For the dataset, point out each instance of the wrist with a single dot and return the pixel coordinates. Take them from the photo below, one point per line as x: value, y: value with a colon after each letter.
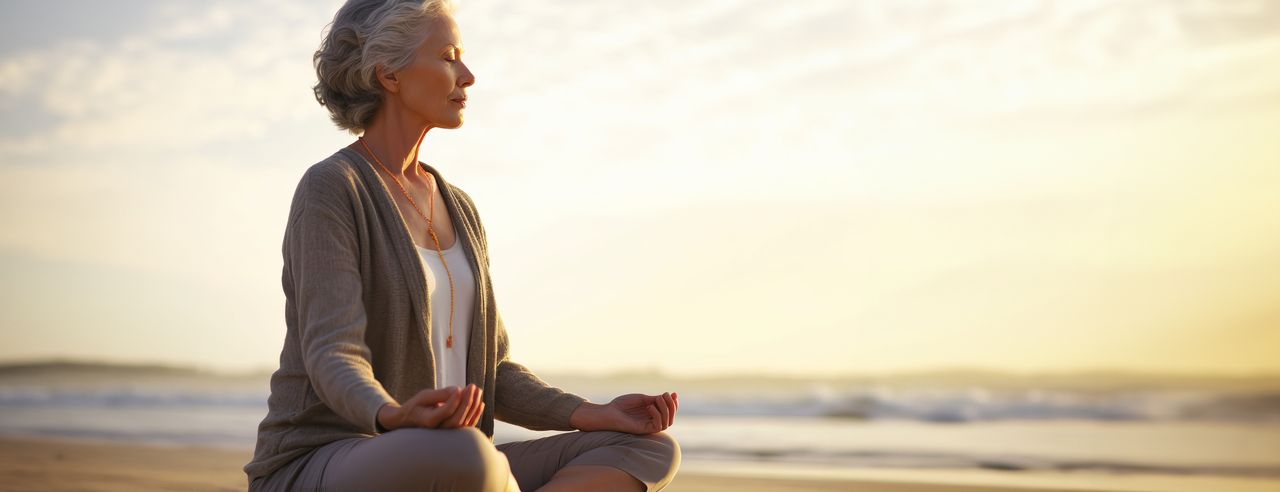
x: 586, y: 417
x: 384, y: 417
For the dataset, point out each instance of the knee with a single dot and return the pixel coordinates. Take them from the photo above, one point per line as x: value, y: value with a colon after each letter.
x: 462, y: 459
x: 471, y: 462
x: 667, y: 450
x: 670, y: 446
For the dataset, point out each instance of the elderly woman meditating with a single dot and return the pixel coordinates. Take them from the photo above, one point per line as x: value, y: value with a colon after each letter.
x: 395, y: 360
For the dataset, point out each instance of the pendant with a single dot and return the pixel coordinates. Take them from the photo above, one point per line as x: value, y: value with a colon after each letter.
x: 448, y: 342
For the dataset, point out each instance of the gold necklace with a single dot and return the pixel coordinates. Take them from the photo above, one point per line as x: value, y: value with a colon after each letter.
x: 432, y: 207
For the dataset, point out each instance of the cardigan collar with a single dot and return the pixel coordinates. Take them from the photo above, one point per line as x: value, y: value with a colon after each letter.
x: 414, y: 268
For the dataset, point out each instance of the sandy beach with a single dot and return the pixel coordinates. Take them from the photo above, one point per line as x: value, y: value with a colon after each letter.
x: 29, y: 464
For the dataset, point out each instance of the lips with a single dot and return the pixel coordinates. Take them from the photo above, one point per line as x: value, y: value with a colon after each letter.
x: 462, y: 101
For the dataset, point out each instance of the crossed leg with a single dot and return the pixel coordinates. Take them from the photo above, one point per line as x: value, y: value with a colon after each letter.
x: 594, y: 460
x: 464, y: 459
x: 574, y: 478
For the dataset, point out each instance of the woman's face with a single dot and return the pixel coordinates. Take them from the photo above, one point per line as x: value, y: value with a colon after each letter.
x: 432, y: 85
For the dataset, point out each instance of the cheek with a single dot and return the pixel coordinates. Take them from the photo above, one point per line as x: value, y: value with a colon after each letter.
x: 428, y: 89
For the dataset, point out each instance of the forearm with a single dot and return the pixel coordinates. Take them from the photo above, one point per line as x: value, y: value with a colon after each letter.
x: 523, y: 399
x: 587, y: 417
x: 350, y: 390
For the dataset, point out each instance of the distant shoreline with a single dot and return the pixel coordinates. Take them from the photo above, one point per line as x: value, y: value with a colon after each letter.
x: 1094, y: 379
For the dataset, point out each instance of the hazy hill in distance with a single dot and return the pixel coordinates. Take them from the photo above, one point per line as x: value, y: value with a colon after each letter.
x: 1099, y: 380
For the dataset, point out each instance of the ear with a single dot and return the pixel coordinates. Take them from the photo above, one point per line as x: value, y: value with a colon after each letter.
x: 388, y: 81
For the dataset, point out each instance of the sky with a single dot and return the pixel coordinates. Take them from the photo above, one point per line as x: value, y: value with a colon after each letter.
x: 694, y: 187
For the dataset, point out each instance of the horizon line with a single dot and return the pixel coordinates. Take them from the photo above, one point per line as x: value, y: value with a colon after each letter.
x: 657, y: 371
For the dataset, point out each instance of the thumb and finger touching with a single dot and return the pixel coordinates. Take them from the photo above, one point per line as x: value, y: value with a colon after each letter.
x: 444, y: 407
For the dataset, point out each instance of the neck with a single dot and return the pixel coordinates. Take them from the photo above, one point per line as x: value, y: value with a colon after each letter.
x: 396, y: 146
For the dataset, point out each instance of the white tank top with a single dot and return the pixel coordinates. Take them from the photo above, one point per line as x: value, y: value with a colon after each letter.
x: 451, y: 363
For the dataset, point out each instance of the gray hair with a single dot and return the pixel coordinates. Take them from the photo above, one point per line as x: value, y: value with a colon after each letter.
x: 363, y: 35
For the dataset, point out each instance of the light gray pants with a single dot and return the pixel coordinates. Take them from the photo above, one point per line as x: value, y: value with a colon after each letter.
x: 464, y: 460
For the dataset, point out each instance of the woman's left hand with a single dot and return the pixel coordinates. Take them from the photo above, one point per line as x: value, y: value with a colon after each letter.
x: 634, y: 413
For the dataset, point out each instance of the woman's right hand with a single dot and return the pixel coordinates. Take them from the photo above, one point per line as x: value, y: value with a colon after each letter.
x: 446, y: 407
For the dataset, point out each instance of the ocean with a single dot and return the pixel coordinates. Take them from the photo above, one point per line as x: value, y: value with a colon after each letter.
x: 1086, y: 431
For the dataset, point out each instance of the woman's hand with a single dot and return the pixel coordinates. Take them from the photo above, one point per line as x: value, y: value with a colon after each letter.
x: 635, y: 413
x: 446, y: 407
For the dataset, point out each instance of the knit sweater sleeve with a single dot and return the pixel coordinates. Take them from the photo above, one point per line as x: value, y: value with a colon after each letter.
x: 520, y: 396
x: 321, y: 256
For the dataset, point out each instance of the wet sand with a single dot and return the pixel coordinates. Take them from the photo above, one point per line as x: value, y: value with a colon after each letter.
x: 66, y: 464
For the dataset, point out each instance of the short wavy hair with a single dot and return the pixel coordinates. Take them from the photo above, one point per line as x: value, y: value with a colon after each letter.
x: 363, y: 35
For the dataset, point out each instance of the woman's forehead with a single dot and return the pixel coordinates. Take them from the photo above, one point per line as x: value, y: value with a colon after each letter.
x: 444, y: 32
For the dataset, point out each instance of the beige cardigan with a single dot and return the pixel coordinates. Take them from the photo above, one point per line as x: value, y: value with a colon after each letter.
x: 358, y: 319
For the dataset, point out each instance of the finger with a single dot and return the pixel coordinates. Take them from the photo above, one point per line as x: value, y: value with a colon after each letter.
x: 424, y: 414
x: 657, y: 417
x: 665, y: 407
x: 427, y: 396
x: 466, y: 416
x: 475, y: 419
x: 671, y: 410
x: 464, y: 412
x: 464, y: 401
x: 675, y: 399
x: 478, y: 409
x: 664, y: 410
x: 437, y: 415
x: 464, y: 407
x: 471, y: 410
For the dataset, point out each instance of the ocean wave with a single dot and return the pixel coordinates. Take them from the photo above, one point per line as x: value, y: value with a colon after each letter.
x: 982, y: 405
x: 127, y: 396
x: 957, y: 405
x: 944, y: 460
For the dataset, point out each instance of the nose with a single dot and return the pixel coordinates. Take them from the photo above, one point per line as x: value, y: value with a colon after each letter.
x: 467, y: 79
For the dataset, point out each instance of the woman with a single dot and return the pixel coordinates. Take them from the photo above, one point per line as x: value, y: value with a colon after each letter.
x: 395, y: 360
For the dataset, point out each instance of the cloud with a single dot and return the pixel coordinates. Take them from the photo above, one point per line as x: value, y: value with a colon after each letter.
x: 232, y: 70
x: 172, y: 150
x: 225, y: 72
